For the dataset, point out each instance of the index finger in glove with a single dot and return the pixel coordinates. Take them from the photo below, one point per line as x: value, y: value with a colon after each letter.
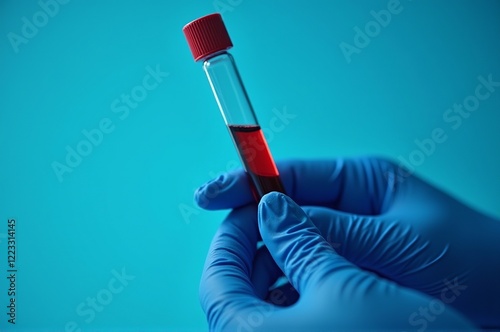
x: 358, y: 185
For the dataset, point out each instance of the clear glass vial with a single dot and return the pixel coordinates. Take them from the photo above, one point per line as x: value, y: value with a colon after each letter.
x: 209, y: 41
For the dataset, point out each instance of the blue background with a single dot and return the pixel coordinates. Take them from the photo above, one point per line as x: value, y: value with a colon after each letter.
x: 128, y: 204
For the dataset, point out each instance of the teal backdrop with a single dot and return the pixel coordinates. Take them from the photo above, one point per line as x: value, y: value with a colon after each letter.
x: 107, y: 126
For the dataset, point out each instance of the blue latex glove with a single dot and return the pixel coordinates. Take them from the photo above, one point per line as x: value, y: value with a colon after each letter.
x: 384, y: 220
x: 335, y: 295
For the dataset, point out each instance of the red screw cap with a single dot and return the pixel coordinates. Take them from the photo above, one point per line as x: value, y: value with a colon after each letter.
x: 207, y: 35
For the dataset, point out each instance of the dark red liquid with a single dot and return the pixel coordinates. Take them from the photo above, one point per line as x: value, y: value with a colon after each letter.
x: 256, y: 156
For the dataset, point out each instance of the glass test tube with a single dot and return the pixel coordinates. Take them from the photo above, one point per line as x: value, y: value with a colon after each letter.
x: 209, y: 41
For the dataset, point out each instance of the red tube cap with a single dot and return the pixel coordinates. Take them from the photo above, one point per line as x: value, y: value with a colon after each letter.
x: 207, y: 35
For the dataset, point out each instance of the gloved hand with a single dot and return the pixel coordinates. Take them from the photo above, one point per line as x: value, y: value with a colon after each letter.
x: 392, y: 223
x: 335, y: 295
